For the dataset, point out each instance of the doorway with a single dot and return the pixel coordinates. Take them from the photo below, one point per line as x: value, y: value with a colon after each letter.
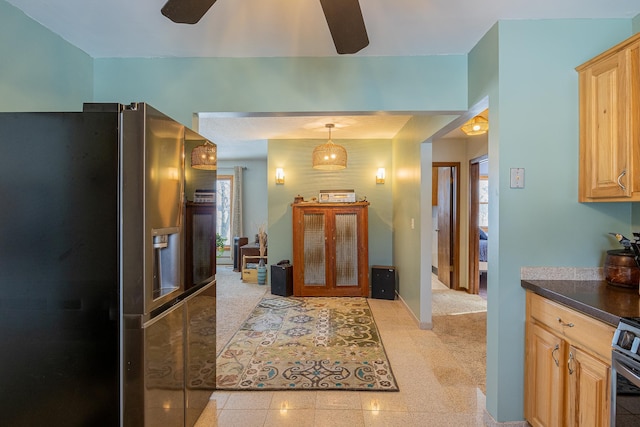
x: 446, y: 202
x: 478, y: 224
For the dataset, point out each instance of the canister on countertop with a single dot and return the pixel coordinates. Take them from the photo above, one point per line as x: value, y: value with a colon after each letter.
x: 620, y: 269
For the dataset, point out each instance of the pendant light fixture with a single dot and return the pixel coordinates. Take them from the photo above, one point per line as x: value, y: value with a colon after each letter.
x: 476, y: 126
x: 204, y: 157
x: 329, y: 156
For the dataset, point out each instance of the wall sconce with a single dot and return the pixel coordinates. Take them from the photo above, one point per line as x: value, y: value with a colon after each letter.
x: 279, y: 176
x: 380, y: 175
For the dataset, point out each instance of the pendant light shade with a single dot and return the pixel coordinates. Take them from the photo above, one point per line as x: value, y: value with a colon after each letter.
x: 329, y: 156
x: 204, y: 157
x: 476, y: 126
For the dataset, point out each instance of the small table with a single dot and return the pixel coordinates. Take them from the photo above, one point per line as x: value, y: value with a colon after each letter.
x: 252, y: 249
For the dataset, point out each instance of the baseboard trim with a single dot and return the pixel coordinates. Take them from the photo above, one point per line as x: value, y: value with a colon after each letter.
x: 421, y: 325
x: 490, y: 422
x: 425, y: 325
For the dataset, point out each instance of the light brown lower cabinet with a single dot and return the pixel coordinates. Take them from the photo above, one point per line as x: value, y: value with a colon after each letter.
x: 567, y: 366
x: 589, y: 389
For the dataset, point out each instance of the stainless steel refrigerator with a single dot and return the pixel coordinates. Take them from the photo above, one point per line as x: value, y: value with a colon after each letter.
x: 97, y: 324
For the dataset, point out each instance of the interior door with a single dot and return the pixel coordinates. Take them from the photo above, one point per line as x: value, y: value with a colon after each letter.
x: 445, y: 261
x: 474, y: 234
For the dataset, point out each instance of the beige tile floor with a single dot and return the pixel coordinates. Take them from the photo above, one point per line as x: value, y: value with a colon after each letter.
x: 434, y: 389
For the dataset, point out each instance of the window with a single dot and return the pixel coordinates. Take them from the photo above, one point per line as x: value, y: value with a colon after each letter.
x: 483, y: 197
x: 224, y: 191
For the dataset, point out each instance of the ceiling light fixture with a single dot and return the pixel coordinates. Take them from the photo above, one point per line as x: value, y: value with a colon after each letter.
x: 476, y: 126
x: 329, y: 156
x: 204, y: 157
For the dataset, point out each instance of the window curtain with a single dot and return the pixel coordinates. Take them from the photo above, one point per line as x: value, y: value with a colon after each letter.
x: 236, y: 205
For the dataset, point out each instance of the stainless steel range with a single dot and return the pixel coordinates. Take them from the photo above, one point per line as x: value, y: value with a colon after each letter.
x: 625, y: 373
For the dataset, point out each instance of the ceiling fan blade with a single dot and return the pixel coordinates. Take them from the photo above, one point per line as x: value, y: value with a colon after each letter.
x: 346, y: 25
x: 186, y: 11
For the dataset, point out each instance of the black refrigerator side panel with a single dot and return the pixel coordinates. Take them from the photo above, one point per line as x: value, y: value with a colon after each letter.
x: 59, y: 306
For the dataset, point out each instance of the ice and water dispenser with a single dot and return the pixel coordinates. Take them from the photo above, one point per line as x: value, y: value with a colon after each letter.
x: 166, y: 261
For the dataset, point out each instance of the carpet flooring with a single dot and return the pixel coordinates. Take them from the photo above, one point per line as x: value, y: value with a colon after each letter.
x: 318, y: 343
x: 465, y: 336
x: 460, y: 321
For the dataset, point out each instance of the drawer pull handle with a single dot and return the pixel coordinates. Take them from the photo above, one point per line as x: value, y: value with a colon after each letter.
x: 569, y: 363
x: 570, y: 325
x: 553, y: 354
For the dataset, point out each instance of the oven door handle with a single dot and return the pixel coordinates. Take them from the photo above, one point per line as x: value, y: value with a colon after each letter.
x: 620, y: 366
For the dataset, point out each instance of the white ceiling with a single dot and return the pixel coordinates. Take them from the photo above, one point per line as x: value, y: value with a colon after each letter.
x: 245, y: 137
x: 254, y: 28
x: 287, y: 28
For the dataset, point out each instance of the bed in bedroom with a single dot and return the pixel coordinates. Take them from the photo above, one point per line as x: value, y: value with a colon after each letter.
x: 482, y: 254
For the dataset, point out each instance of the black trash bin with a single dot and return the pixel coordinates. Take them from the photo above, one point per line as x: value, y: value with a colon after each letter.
x: 282, y: 280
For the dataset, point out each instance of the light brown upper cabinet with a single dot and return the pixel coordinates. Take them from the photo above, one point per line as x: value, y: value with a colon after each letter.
x: 610, y: 125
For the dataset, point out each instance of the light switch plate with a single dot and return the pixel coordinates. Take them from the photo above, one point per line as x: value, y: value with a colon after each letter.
x: 517, y: 178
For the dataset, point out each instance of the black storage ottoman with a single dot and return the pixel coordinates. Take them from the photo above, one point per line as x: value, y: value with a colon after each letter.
x: 383, y: 282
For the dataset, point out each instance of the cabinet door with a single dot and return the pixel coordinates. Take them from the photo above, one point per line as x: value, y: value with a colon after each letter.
x: 545, y: 369
x: 588, y: 390
x: 605, y: 128
x: 346, y: 250
x: 313, y: 253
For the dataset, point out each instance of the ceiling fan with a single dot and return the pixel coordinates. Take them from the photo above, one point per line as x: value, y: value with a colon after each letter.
x: 344, y: 18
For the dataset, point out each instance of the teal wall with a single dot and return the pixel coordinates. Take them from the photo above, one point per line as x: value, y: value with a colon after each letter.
x: 364, y: 158
x: 412, y: 200
x: 180, y: 87
x: 542, y: 224
x: 39, y: 71
x: 407, y: 255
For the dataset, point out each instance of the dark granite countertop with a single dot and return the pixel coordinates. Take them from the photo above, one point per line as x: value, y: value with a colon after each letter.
x: 595, y: 298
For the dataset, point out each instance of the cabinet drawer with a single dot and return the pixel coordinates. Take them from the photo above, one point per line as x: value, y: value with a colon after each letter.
x: 577, y: 328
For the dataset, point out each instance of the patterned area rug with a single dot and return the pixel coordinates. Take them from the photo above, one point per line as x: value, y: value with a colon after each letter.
x: 316, y: 343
